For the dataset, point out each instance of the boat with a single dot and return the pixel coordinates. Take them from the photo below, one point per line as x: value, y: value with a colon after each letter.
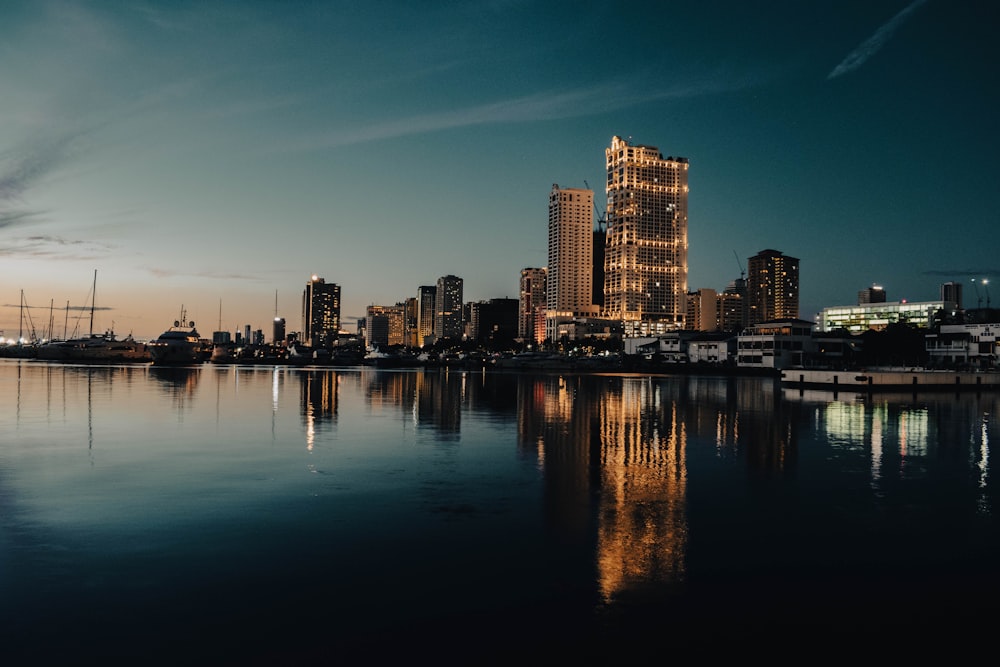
x: 180, y: 344
x: 105, y: 347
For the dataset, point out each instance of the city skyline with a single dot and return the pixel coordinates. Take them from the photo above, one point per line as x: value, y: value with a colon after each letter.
x: 203, y: 155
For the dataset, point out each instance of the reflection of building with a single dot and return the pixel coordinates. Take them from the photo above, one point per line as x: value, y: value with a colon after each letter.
x: 320, y: 312
x: 645, y: 258
x: 531, y: 309
x: 448, y: 308
x: 772, y: 287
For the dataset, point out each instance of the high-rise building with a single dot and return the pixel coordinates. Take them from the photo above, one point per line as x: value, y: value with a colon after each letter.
x: 570, y: 272
x: 702, y: 310
x: 320, y: 312
x: 772, y: 287
x: 532, y: 305
x: 732, y: 306
x: 426, y: 303
x: 951, y: 292
x: 385, y: 325
x: 646, y: 254
x: 494, y: 320
x: 410, y: 322
x: 279, y: 331
x: 448, y: 322
x: 873, y: 294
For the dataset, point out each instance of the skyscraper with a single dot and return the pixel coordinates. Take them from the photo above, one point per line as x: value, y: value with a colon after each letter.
x: 532, y: 305
x: 645, y: 257
x: 571, y: 256
x: 426, y: 303
x: 772, y: 287
x: 448, y: 308
x: 320, y: 312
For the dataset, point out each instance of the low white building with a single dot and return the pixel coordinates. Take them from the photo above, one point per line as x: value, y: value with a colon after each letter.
x: 777, y: 344
x: 964, y: 344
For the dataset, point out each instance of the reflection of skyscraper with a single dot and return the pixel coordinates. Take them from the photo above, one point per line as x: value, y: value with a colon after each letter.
x: 772, y: 287
x: 646, y: 256
x: 448, y: 308
x: 320, y: 312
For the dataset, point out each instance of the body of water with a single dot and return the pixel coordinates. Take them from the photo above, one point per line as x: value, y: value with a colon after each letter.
x: 276, y: 515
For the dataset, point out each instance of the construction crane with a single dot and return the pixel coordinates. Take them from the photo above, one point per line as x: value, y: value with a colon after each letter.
x: 739, y: 264
x: 602, y: 217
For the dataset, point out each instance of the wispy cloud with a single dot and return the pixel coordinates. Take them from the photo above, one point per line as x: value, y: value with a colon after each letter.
x: 546, y: 106
x: 43, y: 246
x: 211, y: 275
x: 964, y: 273
x: 871, y: 46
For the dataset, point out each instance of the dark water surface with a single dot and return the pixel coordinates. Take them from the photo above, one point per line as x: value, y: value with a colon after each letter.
x: 252, y: 515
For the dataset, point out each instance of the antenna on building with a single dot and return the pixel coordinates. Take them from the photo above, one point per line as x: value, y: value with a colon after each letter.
x: 740, y: 264
x: 275, y: 304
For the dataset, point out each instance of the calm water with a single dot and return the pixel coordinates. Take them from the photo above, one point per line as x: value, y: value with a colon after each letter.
x: 262, y: 515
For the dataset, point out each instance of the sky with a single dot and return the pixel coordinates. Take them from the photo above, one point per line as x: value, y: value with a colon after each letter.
x: 211, y: 157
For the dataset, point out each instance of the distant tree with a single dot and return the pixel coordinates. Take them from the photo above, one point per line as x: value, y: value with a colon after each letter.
x: 899, y: 344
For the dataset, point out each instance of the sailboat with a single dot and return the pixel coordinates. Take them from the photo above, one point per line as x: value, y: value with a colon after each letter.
x: 104, y: 347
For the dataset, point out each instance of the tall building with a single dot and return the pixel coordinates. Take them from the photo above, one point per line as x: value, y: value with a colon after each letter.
x: 279, y: 331
x: 570, y: 273
x: 772, y: 287
x: 385, y: 325
x: 702, y: 310
x: 732, y: 306
x: 494, y: 320
x: 426, y: 303
x: 448, y: 321
x: 952, y: 292
x: 646, y: 253
x: 873, y: 294
x: 532, y: 305
x: 411, y: 323
x: 320, y: 312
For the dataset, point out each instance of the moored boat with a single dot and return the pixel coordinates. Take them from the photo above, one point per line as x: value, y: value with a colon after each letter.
x: 178, y: 345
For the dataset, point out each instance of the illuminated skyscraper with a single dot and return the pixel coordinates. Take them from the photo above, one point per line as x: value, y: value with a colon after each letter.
x: 448, y: 321
x: 571, y: 256
x: 772, y: 287
x: 320, y: 312
x: 532, y: 305
x: 645, y: 258
x: 426, y: 302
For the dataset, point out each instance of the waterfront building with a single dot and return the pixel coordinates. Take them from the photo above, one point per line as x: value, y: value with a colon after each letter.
x: 320, y: 313
x: 448, y: 321
x: 772, y: 287
x: 426, y: 299
x: 646, y: 253
x: 532, y: 305
x: 878, y: 316
x: 732, y: 306
x: 960, y: 345
x: 570, y: 273
x: 385, y: 325
x: 278, y: 333
x: 411, y: 322
x: 495, y: 319
x: 873, y: 294
x: 776, y: 344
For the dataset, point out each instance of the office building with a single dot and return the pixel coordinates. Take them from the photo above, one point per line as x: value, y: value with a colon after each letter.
x: 320, y: 312
x: 877, y: 316
x: 772, y: 287
x: 702, y: 310
x: 646, y: 253
x: 570, y: 273
x: 952, y: 292
x: 532, y: 305
x: 448, y: 321
x: 495, y: 320
x: 279, y: 331
x: 426, y: 303
x: 873, y: 294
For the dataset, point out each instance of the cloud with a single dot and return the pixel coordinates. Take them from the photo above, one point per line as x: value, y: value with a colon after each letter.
x: 553, y: 105
x: 53, y: 246
x: 211, y: 275
x: 964, y: 273
x: 871, y: 46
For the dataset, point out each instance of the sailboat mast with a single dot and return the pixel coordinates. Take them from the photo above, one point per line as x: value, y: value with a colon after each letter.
x: 93, y: 298
x: 66, y: 320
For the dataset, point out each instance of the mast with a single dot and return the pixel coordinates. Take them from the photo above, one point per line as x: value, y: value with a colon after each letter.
x: 20, y: 324
x: 93, y: 298
x: 66, y: 320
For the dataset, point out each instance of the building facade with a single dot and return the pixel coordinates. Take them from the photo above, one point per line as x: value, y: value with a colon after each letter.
x: 646, y: 250
x: 873, y: 294
x: 448, y: 321
x: 878, y: 316
x: 532, y: 304
x: 772, y: 287
x: 570, y: 273
x: 320, y: 312
x: 426, y: 303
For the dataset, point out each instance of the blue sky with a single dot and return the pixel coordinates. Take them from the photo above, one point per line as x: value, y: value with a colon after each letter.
x: 215, y: 155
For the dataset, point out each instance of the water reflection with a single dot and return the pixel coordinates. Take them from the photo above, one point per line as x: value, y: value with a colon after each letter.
x: 180, y: 383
